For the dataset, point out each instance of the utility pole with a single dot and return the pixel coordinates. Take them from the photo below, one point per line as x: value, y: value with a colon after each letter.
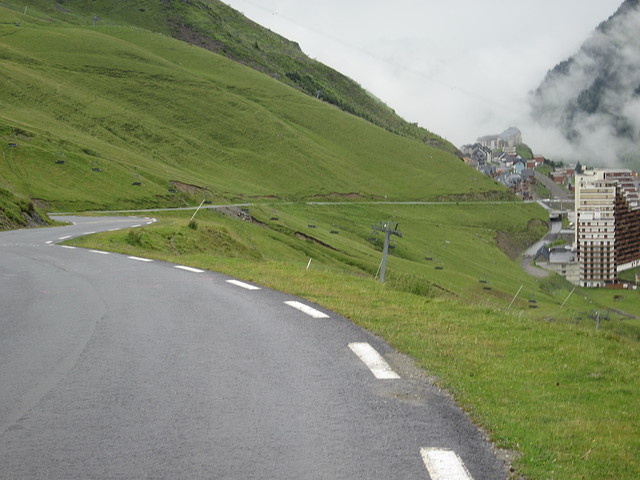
x: 389, y: 229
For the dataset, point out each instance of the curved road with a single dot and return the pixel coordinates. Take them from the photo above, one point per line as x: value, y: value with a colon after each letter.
x: 116, y: 367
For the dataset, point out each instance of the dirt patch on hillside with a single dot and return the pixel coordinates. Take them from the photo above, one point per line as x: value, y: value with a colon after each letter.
x: 188, y: 188
x: 188, y: 35
x: 486, y: 196
x: 338, y: 195
x: 241, y: 213
x: 304, y: 236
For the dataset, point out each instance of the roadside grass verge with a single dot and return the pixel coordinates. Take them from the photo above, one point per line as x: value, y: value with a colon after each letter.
x: 18, y: 212
x: 541, y: 381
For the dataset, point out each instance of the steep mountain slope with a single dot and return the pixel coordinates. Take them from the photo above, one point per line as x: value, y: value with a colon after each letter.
x: 215, y: 26
x: 593, y: 98
x: 104, y: 117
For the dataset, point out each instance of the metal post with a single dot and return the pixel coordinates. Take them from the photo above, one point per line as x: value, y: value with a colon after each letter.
x: 385, y: 252
x: 565, y: 300
x: 197, y: 209
x: 516, y: 295
x: 388, y: 230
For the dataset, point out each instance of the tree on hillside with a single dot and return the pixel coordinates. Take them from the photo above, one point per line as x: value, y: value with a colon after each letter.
x: 524, y: 151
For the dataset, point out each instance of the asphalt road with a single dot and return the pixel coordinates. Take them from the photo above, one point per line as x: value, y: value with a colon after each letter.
x: 118, y: 368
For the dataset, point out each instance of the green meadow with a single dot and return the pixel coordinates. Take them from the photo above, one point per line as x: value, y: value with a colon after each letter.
x: 214, y: 26
x: 96, y: 110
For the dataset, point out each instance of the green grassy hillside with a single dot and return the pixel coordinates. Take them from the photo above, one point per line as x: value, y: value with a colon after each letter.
x: 213, y: 25
x: 144, y: 108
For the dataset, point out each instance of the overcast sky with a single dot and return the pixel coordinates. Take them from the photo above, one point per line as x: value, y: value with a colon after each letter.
x: 460, y: 68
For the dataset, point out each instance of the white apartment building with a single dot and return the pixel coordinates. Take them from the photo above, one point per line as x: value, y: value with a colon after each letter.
x: 607, y: 225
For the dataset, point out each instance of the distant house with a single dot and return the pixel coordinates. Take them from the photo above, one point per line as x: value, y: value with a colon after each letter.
x: 489, y: 170
x: 509, y: 138
x: 519, y: 165
x: 563, y: 176
x: 510, y: 151
x: 512, y: 180
x: 528, y: 175
x: 561, y: 261
x: 478, y: 154
x: 490, y: 141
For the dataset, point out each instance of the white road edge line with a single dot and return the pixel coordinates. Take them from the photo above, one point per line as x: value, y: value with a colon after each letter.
x: 189, y: 269
x: 65, y: 237
x: 312, y: 312
x: 68, y: 246
x: 372, y: 359
x: 240, y: 284
x: 141, y: 259
x: 114, y: 230
x: 88, y: 233
x: 49, y: 242
x: 444, y: 464
x: 136, y: 226
x: 99, y: 251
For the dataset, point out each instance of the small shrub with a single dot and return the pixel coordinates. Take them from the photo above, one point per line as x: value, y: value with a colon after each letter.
x: 134, y: 237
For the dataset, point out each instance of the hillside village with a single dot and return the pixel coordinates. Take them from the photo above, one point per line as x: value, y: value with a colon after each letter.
x: 595, y: 213
x: 504, y: 157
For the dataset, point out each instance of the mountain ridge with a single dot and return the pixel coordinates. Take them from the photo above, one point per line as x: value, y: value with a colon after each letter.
x: 593, y: 97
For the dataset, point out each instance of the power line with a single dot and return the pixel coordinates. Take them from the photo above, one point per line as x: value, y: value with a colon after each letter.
x: 395, y: 65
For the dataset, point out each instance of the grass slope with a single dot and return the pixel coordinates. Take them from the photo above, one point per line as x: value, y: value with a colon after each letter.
x: 16, y: 212
x: 146, y: 108
x: 215, y: 26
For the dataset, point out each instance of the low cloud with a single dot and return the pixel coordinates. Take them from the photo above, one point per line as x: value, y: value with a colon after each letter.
x: 593, y: 99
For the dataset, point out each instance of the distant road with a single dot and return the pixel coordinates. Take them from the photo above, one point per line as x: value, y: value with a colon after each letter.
x: 118, y: 367
x: 242, y: 205
x: 556, y: 190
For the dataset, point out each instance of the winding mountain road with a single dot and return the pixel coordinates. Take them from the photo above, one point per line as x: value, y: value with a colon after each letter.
x: 123, y: 368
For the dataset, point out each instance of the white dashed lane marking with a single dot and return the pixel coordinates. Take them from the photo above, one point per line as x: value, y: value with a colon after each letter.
x: 372, y: 359
x: 312, y: 312
x: 65, y: 237
x: 240, y: 284
x: 444, y: 464
x: 99, y: 251
x: 141, y: 259
x: 69, y: 247
x: 189, y: 269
